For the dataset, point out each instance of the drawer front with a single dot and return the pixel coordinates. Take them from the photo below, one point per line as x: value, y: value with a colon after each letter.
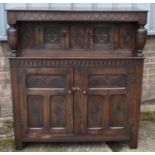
x: 46, y: 104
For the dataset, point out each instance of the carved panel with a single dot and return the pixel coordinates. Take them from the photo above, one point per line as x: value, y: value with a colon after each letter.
x: 95, y: 111
x: 35, y: 111
x: 118, y: 110
x: 106, y: 81
x: 52, y: 35
x: 101, y: 35
x: 58, y: 111
x: 104, y: 36
x: 46, y: 81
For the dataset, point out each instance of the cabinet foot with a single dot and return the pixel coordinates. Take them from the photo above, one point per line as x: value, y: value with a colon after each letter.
x: 133, y: 144
x: 19, y: 146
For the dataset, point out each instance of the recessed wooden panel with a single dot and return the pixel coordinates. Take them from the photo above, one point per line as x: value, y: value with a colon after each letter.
x: 118, y: 110
x: 101, y: 35
x: 35, y: 111
x: 104, y: 36
x: 106, y: 81
x: 28, y: 35
x: 52, y: 35
x: 95, y: 111
x: 46, y: 81
x: 58, y: 111
x: 77, y: 35
x: 126, y: 36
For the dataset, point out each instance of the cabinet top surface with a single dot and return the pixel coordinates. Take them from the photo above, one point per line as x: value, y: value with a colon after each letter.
x: 114, y: 15
x: 76, y: 9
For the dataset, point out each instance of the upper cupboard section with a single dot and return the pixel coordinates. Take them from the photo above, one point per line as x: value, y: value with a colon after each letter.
x: 77, y: 36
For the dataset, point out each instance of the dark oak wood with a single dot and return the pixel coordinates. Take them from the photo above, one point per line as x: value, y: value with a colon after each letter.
x: 76, y: 74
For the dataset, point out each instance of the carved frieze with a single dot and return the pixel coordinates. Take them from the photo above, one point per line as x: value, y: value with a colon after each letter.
x: 46, y: 81
x: 23, y: 15
x: 70, y: 63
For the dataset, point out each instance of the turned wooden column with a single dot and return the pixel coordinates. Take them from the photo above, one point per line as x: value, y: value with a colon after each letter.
x: 13, y: 40
x: 141, y: 39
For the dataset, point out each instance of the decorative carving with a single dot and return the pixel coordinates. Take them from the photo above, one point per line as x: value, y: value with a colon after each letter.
x: 101, y: 35
x: 52, y: 35
x: 13, y: 40
x: 46, y: 81
x: 117, y: 15
x: 57, y: 111
x: 126, y: 36
x: 141, y: 39
x: 95, y: 110
x: 70, y: 63
x: 117, y: 111
x: 106, y: 81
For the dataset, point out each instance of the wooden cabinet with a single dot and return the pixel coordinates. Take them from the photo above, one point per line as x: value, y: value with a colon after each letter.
x: 76, y: 75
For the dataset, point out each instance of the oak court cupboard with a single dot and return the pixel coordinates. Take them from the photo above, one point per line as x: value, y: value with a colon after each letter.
x: 76, y: 74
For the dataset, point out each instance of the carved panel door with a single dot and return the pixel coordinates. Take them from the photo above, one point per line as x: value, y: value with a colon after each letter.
x: 105, y: 100
x: 46, y: 102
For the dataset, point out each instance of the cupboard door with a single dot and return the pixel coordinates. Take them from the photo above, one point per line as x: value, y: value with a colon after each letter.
x: 104, y: 101
x: 46, y: 100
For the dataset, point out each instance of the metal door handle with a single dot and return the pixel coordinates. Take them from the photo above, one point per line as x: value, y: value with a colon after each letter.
x: 69, y: 92
x: 84, y: 92
x: 76, y: 89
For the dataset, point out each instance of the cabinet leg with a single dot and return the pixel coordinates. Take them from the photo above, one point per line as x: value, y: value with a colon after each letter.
x: 19, y: 145
x: 133, y: 143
